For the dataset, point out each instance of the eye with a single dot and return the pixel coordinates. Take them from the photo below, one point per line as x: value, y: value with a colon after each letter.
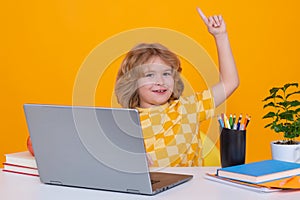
x: 149, y: 75
x: 167, y: 74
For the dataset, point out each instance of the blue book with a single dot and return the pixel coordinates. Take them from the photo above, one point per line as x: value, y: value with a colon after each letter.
x: 261, y: 171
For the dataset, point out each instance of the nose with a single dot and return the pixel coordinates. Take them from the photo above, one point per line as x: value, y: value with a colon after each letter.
x: 159, y: 80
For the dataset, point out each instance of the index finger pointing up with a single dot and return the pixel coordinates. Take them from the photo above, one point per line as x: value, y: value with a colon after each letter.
x: 202, y: 15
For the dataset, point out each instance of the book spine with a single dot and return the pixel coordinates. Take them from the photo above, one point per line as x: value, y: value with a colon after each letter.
x: 22, y: 166
x: 23, y: 173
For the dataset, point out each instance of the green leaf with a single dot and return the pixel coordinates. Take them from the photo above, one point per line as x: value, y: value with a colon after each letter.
x: 269, y: 115
x: 289, y: 135
x: 284, y: 104
x: 278, y: 128
x: 289, y: 104
x: 274, y: 90
x: 294, y: 103
x: 269, y: 104
x: 278, y: 97
x: 286, y: 86
x: 288, y: 115
x: 293, y: 93
x: 267, y: 98
x: 272, y: 97
x: 266, y: 126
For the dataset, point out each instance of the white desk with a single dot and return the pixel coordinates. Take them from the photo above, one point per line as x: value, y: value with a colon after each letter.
x: 16, y: 187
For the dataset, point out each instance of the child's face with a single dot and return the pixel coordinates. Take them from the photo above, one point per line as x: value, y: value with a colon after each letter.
x: 156, y: 86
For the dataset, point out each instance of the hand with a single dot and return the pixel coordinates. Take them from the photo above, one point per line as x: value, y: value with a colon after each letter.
x: 215, y: 24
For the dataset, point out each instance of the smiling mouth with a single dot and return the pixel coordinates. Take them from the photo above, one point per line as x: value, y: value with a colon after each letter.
x: 160, y: 91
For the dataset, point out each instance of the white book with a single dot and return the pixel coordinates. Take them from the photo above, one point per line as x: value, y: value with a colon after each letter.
x: 20, y: 169
x: 21, y: 159
x: 243, y: 185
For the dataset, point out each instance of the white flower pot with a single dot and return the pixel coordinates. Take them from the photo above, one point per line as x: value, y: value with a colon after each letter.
x: 284, y: 152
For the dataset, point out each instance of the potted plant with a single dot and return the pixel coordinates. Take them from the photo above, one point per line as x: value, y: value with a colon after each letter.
x: 285, y: 119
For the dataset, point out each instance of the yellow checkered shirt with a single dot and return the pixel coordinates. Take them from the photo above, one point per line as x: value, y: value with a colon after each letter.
x: 171, y: 131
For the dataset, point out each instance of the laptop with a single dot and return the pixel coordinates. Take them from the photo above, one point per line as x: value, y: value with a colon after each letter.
x: 94, y: 147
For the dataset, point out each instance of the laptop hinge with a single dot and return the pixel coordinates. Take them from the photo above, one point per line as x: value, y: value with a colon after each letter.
x: 133, y: 191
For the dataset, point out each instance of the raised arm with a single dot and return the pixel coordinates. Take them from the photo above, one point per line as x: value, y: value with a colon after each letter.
x: 229, y: 79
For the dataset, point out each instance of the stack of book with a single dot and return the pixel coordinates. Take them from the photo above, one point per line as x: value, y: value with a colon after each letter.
x: 21, y: 163
x: 265, y: 175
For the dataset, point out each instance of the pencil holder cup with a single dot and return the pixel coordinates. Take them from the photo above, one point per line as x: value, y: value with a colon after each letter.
x: 232, y: 147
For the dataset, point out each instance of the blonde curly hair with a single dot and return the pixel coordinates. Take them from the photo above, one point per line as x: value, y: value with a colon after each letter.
x: 129, y: 72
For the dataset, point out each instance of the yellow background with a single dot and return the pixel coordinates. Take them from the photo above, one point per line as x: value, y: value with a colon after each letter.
x: 44, y: 43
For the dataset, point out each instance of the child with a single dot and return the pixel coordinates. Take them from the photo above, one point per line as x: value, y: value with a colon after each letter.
x: 149, y: 80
